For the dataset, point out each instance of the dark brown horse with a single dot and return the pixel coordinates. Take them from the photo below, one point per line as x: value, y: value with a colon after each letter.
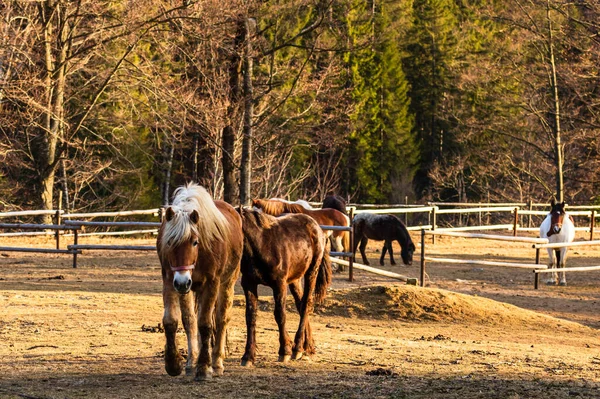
x: 386, y: 228
x: 200, y: 247
x: 334, y: 202
x: 340, y: 240
x: 279, y: 252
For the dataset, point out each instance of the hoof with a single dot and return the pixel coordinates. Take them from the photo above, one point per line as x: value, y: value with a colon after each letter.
x: 205, y: 376
x: 562, y: 283
x: 218, y: 372
x: 284, y: 358
x: 174, y: 370
x: 306, y: 358
x: 189, y: 370
x: 550, y: 282
x: 297, y: 355
x: 247, y: 363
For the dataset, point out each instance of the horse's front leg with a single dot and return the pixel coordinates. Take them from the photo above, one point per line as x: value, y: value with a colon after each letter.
x: 187, y: 303
x: 208, y: 297
x: 552, y: 279
x: 171, y: 315
x: 561, y: 262
x: 309, y: 343
x: 224, y: 303
x: 285, y: 344
x: 251, y: 294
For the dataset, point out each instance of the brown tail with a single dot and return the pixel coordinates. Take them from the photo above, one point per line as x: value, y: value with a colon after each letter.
x: 324, y: 276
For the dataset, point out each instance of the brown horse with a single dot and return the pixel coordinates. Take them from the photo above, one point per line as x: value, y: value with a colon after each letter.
x: 279, y: 252
x: 340, y: 240
x: 199, y: 245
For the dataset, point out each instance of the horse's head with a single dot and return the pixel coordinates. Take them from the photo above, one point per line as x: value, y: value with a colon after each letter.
x: 407, y: 253
x: 557, y: 215
x: 179, y: 246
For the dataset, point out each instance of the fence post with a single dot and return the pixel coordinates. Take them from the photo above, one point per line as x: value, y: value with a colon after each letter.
x: 423, y: 257
x: 536, y: 280
x: 57, y: 232
x: 75, y: 240
x: 351, y: 259
x: 516, y: 222
x: 530, y: 207
x: 433, y: 223
x: 592, y: 222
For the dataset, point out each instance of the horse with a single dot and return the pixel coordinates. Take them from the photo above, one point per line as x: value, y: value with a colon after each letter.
x: 558, y: 226
x: 299, y: 202
x: 382, y: 227
x: 340, y: 240
x: 200, y: 244
x: 334, y: 202
x: 279, y: 252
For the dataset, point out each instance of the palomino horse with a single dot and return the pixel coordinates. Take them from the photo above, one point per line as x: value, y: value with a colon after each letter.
x: 340, y: 240
x: 383, y: 227
x: 557, y: 227
x: 279, y: 252
x: 199, y: 245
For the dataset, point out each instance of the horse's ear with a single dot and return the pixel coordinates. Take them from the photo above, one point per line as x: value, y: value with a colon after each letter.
x: 553, y: 203
x: 240, y: 209
x: 169, y: 214
x: 195, y: 216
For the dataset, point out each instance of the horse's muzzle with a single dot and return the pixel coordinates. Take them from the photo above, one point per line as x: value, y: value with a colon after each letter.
x: 182, y: 282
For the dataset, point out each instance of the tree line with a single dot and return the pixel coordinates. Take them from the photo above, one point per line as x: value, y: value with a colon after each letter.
x: 110, y: 104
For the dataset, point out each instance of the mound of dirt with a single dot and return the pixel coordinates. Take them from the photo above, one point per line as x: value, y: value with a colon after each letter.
x: 408, y: 303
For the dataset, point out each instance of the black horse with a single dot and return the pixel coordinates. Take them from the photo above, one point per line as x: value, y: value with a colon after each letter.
x: 334, y: 202
x: 382, y: 228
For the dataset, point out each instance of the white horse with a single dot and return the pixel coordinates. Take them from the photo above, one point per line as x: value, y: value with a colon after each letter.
x: 557, y: 227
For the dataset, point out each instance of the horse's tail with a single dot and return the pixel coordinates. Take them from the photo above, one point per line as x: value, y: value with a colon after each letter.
x: 324, y: 275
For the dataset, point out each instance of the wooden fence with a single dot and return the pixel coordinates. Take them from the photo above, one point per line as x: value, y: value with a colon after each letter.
x: 425, y: 258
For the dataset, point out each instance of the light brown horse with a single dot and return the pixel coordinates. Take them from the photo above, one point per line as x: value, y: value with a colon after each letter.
x: 199, y: 245
x: 340, y: 240
x: 279, y: 252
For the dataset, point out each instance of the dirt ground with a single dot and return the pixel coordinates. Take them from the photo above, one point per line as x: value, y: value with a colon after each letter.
x: 472, y: 332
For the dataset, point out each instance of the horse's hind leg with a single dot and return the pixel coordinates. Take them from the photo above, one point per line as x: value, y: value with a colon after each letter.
x: 224, y: 303
x: 187, y: 303
x: 363, y: 245
x: 285, y: 345
x: 251, y: 294
x: 383, y: 252
x: 173, y: 359
x: 309, y: 344
x: 310, y: 279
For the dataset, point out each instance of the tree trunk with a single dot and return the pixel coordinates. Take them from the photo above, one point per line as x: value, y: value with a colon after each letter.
x: 246, y: 166
x: 170, y: 153
x: 228, y: 137
x: 46, y: 152
x: 558, y: 147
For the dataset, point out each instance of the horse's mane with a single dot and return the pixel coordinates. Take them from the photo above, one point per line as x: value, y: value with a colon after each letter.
x: 293, y: 208
x: 212, y: 224
x: 260, y: 219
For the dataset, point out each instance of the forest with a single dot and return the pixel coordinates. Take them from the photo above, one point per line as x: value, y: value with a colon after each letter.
x: 111, y: 104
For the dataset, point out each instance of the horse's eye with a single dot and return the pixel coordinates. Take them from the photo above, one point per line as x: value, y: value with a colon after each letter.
x: 195, y: 243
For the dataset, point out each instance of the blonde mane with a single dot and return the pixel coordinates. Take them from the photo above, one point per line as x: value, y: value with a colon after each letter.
x: 212, y: 224
x: 275, y: 207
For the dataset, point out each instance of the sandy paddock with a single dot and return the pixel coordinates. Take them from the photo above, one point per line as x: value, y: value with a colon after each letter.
x: 94, y: 331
